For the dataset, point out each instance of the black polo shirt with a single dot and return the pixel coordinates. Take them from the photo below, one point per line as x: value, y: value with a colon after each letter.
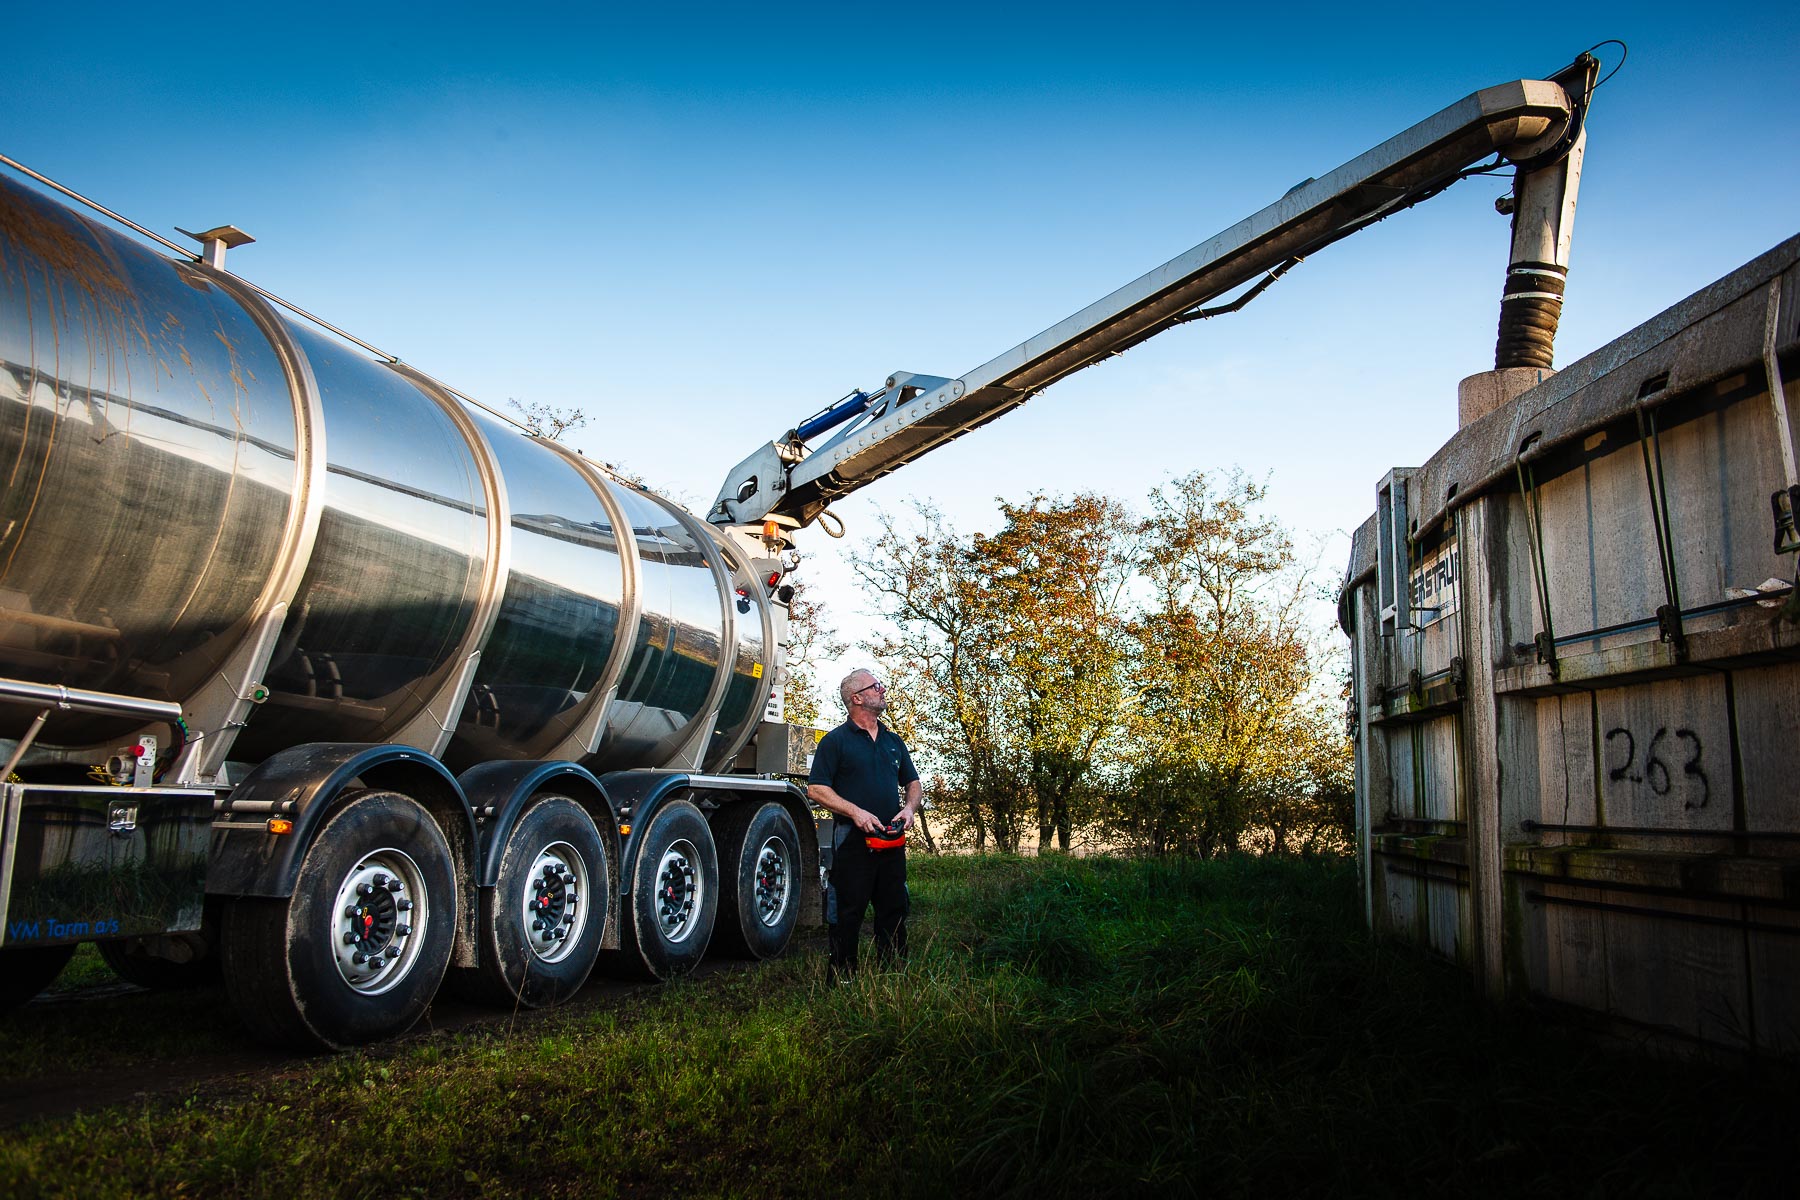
x: 867, y: 771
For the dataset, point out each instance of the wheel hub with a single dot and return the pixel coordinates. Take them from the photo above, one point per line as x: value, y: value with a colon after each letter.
x: 678, y: 891
x: 553, y: 914
x: 771, y: 885
x: 380, y: 911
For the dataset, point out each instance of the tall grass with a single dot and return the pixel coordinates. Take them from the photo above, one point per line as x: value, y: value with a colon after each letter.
x: 1065, y: 1027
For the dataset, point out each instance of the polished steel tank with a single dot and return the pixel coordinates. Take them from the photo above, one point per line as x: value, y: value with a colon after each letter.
x: 208, y: 503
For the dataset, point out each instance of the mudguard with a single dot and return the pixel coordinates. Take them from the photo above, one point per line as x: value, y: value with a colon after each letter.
x: 303, y: 785
x: 636, y: 795
x: 500, y: 790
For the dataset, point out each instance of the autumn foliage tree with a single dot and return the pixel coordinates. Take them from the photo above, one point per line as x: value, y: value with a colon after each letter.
x: 1150, y: 680
x: 1233, y: 733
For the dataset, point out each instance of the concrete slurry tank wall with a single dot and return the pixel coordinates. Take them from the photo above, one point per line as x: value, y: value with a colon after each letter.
x: 1576, y: 701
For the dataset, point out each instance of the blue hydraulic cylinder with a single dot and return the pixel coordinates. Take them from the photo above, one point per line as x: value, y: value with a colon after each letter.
x: 832, y: 417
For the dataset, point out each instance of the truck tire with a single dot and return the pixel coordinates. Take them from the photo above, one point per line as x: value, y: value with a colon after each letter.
x: 357, y: 952
x: 759, y: 859
x: 541, y: 923
x: 131, y: 962
x: 27, y: 970
x: 674, y: 896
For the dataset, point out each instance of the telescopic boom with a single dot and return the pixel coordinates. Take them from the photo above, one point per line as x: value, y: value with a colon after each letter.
x: 1534, y: 124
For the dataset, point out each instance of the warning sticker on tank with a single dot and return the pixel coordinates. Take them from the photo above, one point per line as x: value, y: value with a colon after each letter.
x: 756, y: 670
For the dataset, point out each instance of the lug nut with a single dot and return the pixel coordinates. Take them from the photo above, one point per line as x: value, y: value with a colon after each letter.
x: 403, y: 931
x: 393, y: 952
x: 359, y: 958
x: 394, y: 885
x: 349, y: 938
x: 404, y: 906
x: 365, y: 889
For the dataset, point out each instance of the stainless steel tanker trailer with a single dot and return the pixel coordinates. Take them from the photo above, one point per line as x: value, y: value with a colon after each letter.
x: 312, y: 673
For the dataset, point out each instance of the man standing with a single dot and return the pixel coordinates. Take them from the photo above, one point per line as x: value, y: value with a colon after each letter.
x: 859, y: 772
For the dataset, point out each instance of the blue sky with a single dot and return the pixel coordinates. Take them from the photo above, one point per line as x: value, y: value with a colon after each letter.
x: 704, y: 223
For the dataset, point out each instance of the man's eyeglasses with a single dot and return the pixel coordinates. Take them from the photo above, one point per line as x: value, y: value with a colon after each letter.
x: 876, y: 686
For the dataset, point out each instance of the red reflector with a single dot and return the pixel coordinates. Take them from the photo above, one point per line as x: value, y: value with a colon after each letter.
x: 774, y: 578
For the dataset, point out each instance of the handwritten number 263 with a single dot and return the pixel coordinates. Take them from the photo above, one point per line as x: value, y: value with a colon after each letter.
x: 1654, y: 771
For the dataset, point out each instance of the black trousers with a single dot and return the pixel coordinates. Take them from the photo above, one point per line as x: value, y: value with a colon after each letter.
x: 861, y: 877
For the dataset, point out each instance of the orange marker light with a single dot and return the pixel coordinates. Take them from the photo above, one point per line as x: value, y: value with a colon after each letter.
x: 771, y: 530
x: 280, y: 825
x: 624, y: 831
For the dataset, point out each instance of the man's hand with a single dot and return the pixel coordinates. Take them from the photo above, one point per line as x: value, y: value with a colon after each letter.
x: 903, y: 819
x: 866, y: 821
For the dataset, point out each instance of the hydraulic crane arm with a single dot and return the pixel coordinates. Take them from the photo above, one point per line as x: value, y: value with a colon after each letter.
x: 1535, y: 124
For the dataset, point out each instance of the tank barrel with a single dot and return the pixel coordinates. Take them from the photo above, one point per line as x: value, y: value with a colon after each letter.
x: 249, y: 524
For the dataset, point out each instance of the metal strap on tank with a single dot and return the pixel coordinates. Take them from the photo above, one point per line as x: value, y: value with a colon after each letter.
x: 1545, y: 640
x: 1668, y: 616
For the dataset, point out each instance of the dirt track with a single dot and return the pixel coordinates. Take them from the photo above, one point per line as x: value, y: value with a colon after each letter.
x: 218, y: 1057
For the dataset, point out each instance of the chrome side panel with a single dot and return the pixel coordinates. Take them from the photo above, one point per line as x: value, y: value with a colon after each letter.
x: 668, y: 682
x: 396, y: 576
x: 431, y: 730
x: 149, y: 466
x: 752, y: 666
x: 568, y: 611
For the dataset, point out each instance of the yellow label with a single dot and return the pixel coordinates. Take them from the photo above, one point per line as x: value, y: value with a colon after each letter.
x: 756, y: 671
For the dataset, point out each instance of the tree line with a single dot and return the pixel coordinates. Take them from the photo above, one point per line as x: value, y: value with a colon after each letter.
x: 1149, y: 680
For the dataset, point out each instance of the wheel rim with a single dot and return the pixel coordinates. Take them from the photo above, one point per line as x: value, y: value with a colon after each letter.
x: 553, y: 910
x: 773, y: 885
x: 678, y: 891
x: 379, y: 920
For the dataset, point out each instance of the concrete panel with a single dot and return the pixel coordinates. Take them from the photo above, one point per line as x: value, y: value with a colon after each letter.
x: 1575, y: 959
x: 1398, y: 898
x: 1449, y: 926
x: 1665, y: 754
x: 1434, y: 776
x: 1720, y: 470
x: 1565, y: 761
x: 1514, y: 613
x: 1600, y: 544
x: 1775, y: 981
x: 1401, y: 796
x: 1768, y: 738
x: 1670, y: 973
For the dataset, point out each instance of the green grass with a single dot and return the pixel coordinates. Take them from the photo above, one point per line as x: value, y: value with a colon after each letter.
x: 1064, y: 1028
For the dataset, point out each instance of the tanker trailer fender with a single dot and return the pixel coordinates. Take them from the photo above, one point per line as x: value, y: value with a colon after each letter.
x: 768, y: 865
x: 546, y: 858
x: 672, y: 880
x: 305, y: 785
x: 346, y: 873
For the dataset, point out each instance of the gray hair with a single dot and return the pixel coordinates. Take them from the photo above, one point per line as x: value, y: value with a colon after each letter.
x: 845, y: 691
